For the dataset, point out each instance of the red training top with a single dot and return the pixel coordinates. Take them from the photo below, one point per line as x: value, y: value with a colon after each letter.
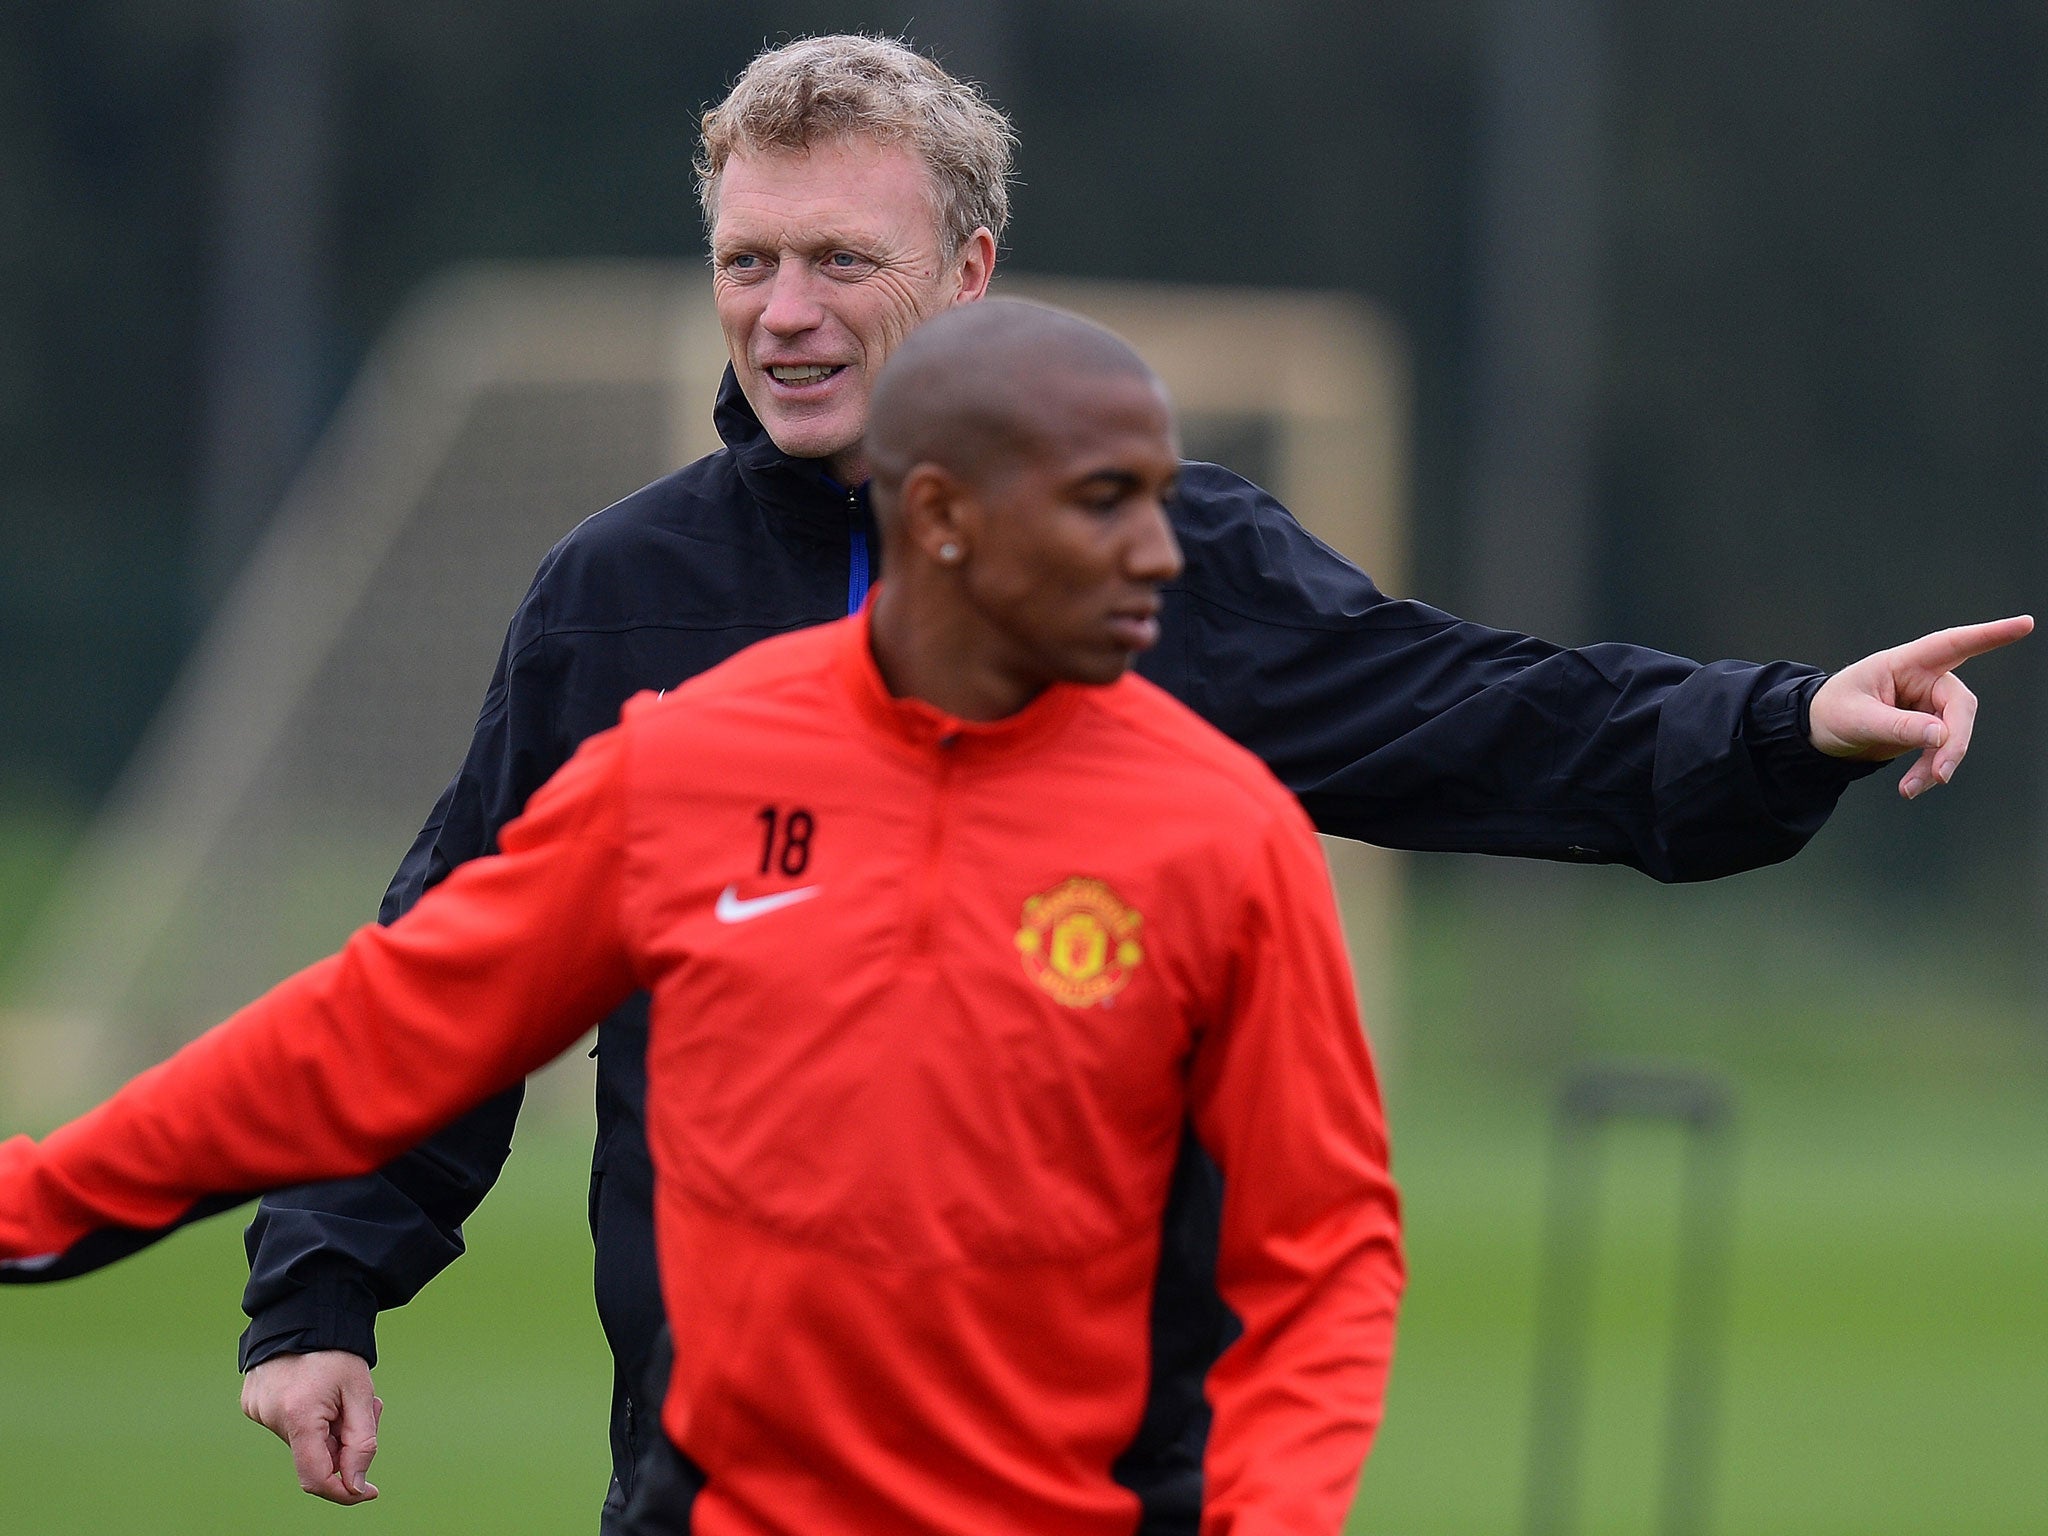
x: 932, y: 1004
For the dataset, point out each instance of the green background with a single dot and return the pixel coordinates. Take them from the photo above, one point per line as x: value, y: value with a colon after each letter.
x: 1887, y: 1367
x: 1887, y: 1372
x: 1821, y: 425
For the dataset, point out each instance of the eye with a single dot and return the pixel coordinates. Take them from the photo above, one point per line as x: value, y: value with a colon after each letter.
x: 847, y: 264
x: 742, y: 264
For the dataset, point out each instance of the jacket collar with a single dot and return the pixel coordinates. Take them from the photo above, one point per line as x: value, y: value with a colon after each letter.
x: 922, y: 729
x: 801, y: 494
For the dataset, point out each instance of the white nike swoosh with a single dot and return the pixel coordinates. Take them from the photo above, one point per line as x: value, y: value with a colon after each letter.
x: 733, y: 910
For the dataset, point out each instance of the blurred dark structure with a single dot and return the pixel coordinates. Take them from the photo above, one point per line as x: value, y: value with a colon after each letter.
x: 1539, y: 283
x: 1594, y: 1100
x: 267, y: 309
x: 1811, y: 403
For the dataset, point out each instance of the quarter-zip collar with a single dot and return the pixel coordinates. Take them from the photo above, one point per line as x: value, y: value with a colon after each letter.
x: 920, y: 728
x: 800, y: 496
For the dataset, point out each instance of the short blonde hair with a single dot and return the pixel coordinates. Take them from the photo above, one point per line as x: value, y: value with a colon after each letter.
x: 822, y: 88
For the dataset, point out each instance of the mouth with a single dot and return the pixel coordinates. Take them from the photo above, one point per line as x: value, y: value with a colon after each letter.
x: 802, y: 376
x: 1136, y: 628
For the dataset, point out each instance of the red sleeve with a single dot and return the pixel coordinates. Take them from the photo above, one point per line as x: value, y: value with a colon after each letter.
x: 355, y: 1059
x: 1285, y: 1098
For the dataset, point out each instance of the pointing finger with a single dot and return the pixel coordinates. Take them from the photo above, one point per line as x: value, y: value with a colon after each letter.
x: 1946, y: 649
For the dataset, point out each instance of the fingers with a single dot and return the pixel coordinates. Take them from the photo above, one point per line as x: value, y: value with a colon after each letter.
x: 322, y: 1406
x: 1895, y: 701
x: 315, y: 1457
x: 1957, y: 707
x: 355, y: 1439
x: 1848, y: 722
x: 1947, y: 649
x: 310, y: 1458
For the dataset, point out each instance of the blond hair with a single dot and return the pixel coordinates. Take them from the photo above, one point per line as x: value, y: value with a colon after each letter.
x: 822, y: 88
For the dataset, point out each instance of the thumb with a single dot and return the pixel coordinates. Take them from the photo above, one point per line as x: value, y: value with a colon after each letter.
x: 356, y: 1433
x: 1858, y: 724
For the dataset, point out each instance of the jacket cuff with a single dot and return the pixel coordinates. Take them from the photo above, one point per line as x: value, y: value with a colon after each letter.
x: 1796, y: 777
x: 333, y: 1309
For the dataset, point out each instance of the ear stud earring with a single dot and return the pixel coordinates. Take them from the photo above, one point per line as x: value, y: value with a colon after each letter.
x: 949, y: 553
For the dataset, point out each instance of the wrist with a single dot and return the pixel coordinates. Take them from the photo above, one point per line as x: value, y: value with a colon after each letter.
x: 332, y: 1308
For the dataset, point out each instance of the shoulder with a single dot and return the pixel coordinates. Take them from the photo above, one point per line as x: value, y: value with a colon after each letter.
x: 789, y: 668
x: 1194, y: 761
x: 1213, y: 502
x: 677, y: 505
x: 687, y: 551
x: 1247, y: 556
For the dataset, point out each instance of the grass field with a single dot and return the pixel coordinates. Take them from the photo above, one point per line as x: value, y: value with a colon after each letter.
x: 1888, y: 1365
x: 1888, y: 1374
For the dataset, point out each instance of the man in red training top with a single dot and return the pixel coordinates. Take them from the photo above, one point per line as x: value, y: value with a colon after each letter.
x: 950, y: 928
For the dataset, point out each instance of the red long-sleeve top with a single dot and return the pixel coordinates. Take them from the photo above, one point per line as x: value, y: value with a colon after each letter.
x: 932, y: 1004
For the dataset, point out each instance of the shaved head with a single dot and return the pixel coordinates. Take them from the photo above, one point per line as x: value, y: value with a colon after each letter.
x: 1023, y: 461
x: 978, y: 388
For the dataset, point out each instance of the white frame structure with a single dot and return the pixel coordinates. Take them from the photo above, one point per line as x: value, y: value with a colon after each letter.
x: 1323, y: 374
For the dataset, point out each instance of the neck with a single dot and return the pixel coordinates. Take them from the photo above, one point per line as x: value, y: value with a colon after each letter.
x: 921, y: 656
x: 849, y: 466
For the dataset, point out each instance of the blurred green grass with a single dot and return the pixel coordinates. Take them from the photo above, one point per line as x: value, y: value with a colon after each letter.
x: 1888, y: 1370
x: 1888, y: 1366
x: 1888, y: 1361
x: 118, y: 1392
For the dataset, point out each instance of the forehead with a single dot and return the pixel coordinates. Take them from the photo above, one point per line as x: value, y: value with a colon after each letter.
x: 839, y: 187
x: 1088, y: 423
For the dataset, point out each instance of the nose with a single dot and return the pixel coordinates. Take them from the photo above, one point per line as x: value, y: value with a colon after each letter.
x: 1154, y: 552
x: 792, y: 306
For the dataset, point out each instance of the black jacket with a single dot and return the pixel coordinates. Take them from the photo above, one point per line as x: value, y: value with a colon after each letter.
x: 1392, y: 721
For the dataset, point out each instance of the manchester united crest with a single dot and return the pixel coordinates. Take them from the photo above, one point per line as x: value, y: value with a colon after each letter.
x: 1079, y: 941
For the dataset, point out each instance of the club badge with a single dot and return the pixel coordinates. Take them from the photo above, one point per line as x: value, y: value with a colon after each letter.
x: 1079, y: 941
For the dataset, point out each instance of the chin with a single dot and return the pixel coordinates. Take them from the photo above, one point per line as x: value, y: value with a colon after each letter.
x: 801, y: 433
x: 807, y: 439
x: 1100, y: 671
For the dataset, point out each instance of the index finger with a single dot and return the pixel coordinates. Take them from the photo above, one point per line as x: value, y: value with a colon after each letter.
x: 313, y: 1459
x: 1947, y: 649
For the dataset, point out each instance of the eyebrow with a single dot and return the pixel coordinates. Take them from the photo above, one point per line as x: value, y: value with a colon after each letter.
x: 1124, y: 482
x: 822, y: 239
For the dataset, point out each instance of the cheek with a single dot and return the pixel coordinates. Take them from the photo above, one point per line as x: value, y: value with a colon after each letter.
x: 893, y: 306
x: 738, y: 307
x: 1051, y: 599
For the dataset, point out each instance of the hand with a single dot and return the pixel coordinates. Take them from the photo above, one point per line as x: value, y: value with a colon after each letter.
x: 322, y: 1406
x: 1909, y: 697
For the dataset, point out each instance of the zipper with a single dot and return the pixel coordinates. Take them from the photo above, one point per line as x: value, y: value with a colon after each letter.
x: 857, y: 553
x: 922, y: 918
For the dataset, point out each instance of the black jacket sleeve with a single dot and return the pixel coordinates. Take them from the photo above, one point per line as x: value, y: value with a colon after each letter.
x: 324, y: 1259
x: 1398, y: 724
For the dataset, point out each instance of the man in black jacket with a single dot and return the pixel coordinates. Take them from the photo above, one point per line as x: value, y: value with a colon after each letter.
x: 852, y: 190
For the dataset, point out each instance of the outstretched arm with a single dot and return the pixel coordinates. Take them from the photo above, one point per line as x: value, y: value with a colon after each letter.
x: 1909, y: 699
x: 1400, y: 724
x: 358, y: 1057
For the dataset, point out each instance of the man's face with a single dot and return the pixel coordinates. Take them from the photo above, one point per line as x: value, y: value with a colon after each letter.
x: 1067, y: 547
x: 823, y: 260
